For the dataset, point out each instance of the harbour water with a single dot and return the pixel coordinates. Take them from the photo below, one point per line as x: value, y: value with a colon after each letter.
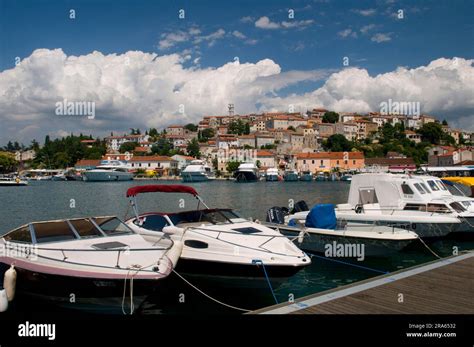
x: 46, y: 200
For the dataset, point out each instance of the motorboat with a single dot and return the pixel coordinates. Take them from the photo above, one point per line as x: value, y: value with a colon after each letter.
x: 321, y: 176
x: 306, y: 176
x: 395, y: 200
x: 320, y: 232
x: 12, y: 182
x: 461, y: 186
x: 247, y: 172
x: 108, y: 170
x: 290, y: 175
x: 59, y: 177
x: 99, y: 261
x: 272, y: 175
x: 346, y: 177
x: 219, y: 245
x: 197, y: 171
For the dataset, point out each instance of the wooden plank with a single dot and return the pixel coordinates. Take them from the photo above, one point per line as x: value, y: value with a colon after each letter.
x: 448, y: 288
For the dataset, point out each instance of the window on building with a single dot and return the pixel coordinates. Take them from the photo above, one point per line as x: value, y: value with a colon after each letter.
x: 337, y: 162
x: 353, y: 162
x: 312, y: 161
x: 322, y: 162
x: 345, y: 162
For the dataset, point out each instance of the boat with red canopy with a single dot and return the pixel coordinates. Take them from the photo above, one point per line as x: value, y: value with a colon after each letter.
x: 217, y: 243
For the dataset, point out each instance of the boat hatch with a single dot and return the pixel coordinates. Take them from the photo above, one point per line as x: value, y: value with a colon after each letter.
x: 249, y: 230
x: 109, y: 245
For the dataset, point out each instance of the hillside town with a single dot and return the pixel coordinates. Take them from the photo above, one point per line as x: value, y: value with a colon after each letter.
x: 319, y: 141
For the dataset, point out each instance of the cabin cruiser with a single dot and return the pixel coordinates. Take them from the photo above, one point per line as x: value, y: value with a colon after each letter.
x: 12, y: 182
x: 219, y: 245
x: 108, y: 170
x: 320, y: 232
x: 197, y: 171
x: 272, y: 175
x: 346, y: 177
x: 290, y: 175
x: 321, y: 176
x: 93, y: 258
x: 247, y: 172
x: 395, y: 200
x: 306, y: 176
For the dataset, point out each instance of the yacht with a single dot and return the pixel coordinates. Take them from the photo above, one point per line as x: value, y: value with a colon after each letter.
x: 107, y: 266
x: 396, y: 200
x: 12, y: 182
x: 197, y: 171
x: 247, y: 172
x: 272, y: 175
x: 320, y: 230
x: 108, y: 170
x: 321, y: 177
x: 306, y: 176
x: 290, y: 175
x: 219, y: 245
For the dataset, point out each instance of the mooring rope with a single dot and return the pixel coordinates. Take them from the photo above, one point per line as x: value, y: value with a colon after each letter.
x: 346, y: 263
x: 210, y: 297
x: 424, y: 244
x: 257, y: 262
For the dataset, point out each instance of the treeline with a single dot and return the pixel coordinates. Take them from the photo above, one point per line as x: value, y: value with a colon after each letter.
x: 66, y: 151
x: 392, y: 138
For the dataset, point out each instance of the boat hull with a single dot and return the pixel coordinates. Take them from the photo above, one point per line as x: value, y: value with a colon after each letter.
x: 271, y: 178
x: 372, y: 247
x: 107, y: 176
x: 291, y: 178
x: 90, y: 294
x: 187, y: 177
x: 306, y: 178
x: 246, y: 176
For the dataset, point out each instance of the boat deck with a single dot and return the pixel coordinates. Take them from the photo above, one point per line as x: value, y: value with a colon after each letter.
x: 444, y: 286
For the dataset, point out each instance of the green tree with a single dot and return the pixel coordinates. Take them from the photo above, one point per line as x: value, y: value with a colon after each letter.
x: 330, y: 117
x: 7, y: 162
x: 153, y: 132
x: 207, y: 134
x: 128, y: 147
x: 193, y: 148
x: 191, y: 127
x: 338, y: 143
x: 247, y: 128
x: 232, y: 166
x: 444, y: 122
x: 431, y: 132
x: 162, y: 146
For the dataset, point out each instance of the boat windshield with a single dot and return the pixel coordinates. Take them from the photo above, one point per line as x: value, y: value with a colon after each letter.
x: 420, y: 188
x: 213, y: 216
x: 112, y: 226
x: 457, y: 207
x: 433, y: 186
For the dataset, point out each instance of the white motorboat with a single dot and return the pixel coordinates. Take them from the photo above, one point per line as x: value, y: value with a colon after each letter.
x: 92, y: 258
x: 319, y: 232
x: 12, y: 182
x: 109, y: 170
x: 197, y: 171
x: 218, y: 244
x: 247, y: 172
x: 395, y: 200
x: 272, y: 175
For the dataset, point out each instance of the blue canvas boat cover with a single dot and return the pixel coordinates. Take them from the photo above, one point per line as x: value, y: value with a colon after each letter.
x: 322, y: 216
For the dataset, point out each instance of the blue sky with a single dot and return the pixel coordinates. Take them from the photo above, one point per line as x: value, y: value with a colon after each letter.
x: 319, y: 36
x: 429, y: 30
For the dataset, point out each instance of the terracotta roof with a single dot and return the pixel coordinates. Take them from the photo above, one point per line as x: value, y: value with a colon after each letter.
x: 264, y: 154
x: 87, y: 141
x: 330, y: 155
x: 175, y: 126
x: 88, y: 162
x: 152, y: 158
x: 141, y: 149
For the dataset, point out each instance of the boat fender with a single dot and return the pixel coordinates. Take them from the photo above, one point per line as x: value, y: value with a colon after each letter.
x: 171, y: 230
x: 3, y: 300
x: 301, y: 237
x: 9, y: 282
x: 175, y: 252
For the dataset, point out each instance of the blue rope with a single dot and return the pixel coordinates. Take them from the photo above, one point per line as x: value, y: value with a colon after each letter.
x: 258, y: 261
x: 343, y: 262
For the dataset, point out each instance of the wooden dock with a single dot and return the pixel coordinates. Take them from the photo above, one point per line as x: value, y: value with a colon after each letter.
x: 444, y: 286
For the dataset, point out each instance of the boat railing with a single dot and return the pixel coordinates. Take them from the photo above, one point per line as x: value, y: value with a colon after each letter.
x: 393, y: 210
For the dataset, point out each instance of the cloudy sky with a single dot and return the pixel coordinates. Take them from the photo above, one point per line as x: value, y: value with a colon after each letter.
x: 144, y: 66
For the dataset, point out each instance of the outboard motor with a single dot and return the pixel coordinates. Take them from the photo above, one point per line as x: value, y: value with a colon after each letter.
x: 275, y: 215
x: 300, y: 206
